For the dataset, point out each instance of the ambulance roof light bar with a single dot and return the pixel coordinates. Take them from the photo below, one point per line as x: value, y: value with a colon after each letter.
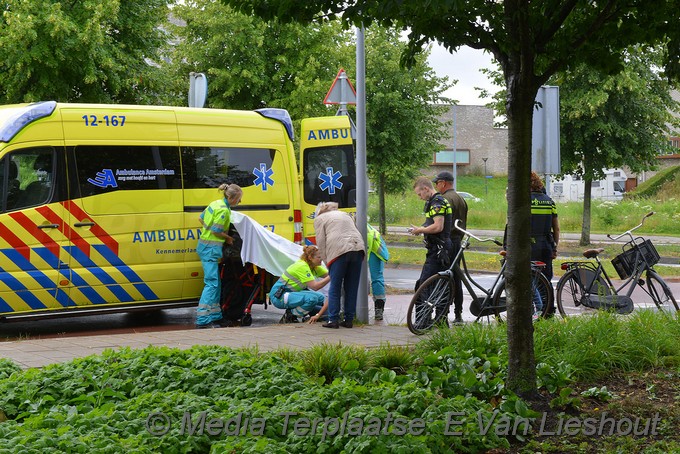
x: 19, y: 117
x: 281, y: 115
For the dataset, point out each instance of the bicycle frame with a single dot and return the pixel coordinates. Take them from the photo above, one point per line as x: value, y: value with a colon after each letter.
x: 485, y: 296
x: 433, y: 297
x: 600, y: 272
x: 595, y: 295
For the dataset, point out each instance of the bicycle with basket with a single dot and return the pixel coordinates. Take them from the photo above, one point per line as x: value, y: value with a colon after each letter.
x: 430, y: 304
x: 586, y: 287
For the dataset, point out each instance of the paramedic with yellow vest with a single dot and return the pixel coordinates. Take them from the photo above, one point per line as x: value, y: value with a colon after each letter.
x: 377, y: 256
x: 215, y: 221
x: 296, y: 291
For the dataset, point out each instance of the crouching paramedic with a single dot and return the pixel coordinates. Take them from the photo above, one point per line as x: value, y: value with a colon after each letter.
x: 296, y: 291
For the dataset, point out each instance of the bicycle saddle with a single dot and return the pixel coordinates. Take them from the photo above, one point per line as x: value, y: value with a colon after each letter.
x: 591, y: 253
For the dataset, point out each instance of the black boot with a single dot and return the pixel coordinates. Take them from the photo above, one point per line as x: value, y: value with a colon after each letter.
x: 379, y: 309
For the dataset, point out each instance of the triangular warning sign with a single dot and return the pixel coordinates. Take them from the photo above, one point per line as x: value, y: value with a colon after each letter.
x: 342, y: 91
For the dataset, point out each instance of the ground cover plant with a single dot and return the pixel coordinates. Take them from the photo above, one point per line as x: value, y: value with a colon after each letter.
x: 446, y: 394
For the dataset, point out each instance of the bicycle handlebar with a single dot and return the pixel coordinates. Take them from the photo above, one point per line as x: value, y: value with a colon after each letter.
x: 629, y: 232
x: 470, y: 234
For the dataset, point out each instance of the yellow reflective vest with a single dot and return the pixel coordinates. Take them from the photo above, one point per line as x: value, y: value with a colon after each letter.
x: 215, y: 219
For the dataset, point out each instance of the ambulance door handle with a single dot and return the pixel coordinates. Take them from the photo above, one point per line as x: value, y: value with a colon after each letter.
x: 84, y: 224
x: 48, y: 226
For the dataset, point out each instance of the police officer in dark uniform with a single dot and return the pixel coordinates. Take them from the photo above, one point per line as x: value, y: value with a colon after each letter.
x: 545, y: 228
x: 436, y: 229
x: 443, y: 183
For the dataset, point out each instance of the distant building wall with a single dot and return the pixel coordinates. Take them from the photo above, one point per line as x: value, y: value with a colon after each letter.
x: 476, y: 138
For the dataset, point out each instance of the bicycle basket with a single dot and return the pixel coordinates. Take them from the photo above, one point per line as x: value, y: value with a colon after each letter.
x: 624, y: 263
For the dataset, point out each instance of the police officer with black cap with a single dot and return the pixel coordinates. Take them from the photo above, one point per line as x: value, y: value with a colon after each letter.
x: 443, y: 183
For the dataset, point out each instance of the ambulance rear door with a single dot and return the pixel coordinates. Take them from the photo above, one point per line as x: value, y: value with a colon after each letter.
x: 328, y: 169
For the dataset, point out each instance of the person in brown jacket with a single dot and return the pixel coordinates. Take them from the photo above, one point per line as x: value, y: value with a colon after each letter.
x: 342, y: 249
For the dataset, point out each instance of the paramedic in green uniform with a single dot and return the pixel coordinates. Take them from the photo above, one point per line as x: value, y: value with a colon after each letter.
x: 377, y: 256
x: 296, y: 291
x: 215, y: 221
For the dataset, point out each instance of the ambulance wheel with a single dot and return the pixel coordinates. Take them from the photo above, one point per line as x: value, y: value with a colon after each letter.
x: 247, y: 320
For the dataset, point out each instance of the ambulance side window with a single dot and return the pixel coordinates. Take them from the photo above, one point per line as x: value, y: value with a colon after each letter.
x: 330, y: 175
x: 104, y: 168
x: 28, y: 178
x: 209, y: 167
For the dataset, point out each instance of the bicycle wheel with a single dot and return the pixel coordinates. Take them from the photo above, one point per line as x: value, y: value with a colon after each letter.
x: 430, y: 304
x: 543, y: 296
x: 570, y: 291
x: 660, y: 292
x: 541, y: 300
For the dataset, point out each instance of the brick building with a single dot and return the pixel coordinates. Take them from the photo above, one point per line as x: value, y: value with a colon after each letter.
x: 476, y: 138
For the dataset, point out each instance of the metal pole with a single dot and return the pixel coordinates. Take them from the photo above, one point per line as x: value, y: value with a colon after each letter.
x: 455, y: 151
x: 486, y: 178
x: 362, y: 179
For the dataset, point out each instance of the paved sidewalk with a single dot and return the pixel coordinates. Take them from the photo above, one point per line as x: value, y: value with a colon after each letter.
x: 42, y: 352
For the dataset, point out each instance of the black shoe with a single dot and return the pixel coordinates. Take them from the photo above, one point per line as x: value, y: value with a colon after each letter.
x: 288, y: 317
x: 334, y: 325
x: 379, y: 309
x: 346, y: 323
x: 230, y: 323
x: 458, y: 320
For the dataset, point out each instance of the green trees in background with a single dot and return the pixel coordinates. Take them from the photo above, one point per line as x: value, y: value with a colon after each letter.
x: 403, y: 129
x: 85, y: 51
x: 251, y: 64
x: 611, y: 121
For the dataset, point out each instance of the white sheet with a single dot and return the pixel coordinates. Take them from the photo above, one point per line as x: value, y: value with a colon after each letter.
x: 263, y: 247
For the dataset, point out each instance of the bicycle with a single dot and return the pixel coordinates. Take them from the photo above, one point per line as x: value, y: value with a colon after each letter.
x: 430, y: 304
x: 586, y: 287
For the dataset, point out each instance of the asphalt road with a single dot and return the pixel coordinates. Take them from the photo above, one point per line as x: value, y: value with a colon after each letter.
x: 400, y: 278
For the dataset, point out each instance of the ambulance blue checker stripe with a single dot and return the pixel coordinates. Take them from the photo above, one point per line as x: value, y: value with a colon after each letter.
x: 100, y: 274
x: 21, y: 291
x: 40, y: 277
x: 131, y: 276
x: 4, y: 307
x: 47, y: 283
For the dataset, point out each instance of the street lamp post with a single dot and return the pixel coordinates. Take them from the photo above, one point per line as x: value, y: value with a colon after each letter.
x: 486, y: 178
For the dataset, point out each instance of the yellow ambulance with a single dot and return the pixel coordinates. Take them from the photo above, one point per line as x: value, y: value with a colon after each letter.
x: 99, y: 204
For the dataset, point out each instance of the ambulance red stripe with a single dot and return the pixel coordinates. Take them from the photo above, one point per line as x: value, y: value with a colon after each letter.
x: 14, y: 241
x: 38, y: 234
x: 100, y: 233
x: 66, y: 229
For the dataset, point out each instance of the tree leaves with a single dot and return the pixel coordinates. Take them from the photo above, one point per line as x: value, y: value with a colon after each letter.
x: 92, y: 51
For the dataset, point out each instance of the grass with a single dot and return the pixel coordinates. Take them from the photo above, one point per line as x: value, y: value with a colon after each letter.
x: 491, y: 212
x: 594, y: 346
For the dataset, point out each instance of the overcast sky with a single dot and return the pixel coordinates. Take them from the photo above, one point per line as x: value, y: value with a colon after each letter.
x: 463, y: 66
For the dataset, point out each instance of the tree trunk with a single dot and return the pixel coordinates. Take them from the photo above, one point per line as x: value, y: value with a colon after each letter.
x: 587, y: 201
x: 521, y: 362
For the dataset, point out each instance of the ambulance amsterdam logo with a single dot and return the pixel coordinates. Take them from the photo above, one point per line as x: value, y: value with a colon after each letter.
x: 263, y: 176
x: 330, y: 180
x: 104, y: 179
